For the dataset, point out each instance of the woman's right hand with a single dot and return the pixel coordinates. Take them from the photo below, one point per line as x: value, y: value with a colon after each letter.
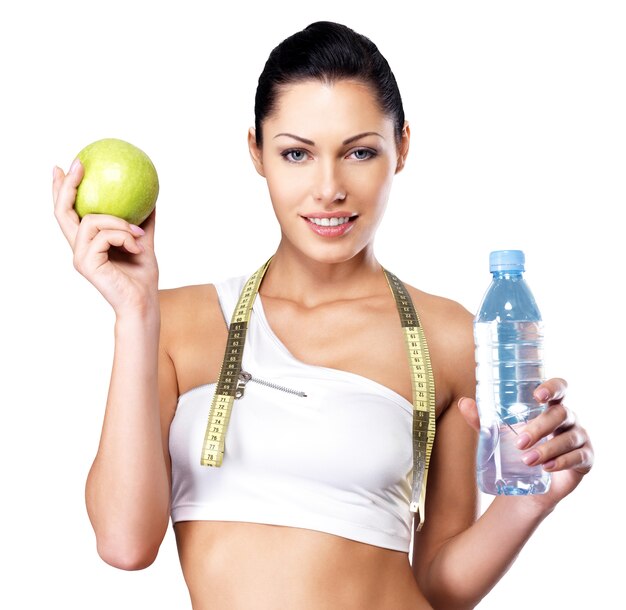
x: 127, y: 275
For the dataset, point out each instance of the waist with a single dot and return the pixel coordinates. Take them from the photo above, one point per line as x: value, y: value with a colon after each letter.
x: 239, y: 565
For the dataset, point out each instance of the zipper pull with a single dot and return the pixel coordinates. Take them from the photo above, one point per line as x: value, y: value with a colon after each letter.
x: 244, y: 377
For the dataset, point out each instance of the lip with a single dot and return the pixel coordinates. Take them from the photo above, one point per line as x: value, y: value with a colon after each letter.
x: 340, y: 214
x: 336, y: 231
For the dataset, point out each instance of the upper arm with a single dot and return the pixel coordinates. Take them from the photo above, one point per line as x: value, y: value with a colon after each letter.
x: 168, y: 383
x: 452, y: 499
x: 191, y: 346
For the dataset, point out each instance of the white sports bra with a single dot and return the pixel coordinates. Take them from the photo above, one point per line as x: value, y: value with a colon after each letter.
x: 338, y: 460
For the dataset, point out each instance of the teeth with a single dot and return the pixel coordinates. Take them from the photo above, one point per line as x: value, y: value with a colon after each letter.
x: 329, y: 222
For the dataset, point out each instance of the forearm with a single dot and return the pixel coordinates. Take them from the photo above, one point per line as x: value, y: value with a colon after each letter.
x: 467, y: 567
x: 127, y: 491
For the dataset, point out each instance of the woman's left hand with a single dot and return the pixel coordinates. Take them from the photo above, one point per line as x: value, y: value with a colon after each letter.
x: 567, y: 452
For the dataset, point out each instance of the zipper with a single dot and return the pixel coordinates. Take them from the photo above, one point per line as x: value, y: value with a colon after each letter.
x: 245, y: 377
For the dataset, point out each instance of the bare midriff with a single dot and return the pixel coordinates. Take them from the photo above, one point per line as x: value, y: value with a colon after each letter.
x: 240, y: 566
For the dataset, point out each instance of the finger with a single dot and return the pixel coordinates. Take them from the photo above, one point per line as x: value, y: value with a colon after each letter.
x: 580, y: 459
x: 96, y: 253
x: 75, y: 173
x: 554, y: 420
x: 554, y: 448
x: 103, y: 241
x: 94, y: 224
x: 57, y: 173
x: 64, y: 193
x: 469, y: 410
x: 551, y: 390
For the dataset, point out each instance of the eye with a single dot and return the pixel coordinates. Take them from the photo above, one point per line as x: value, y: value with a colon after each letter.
x: 362, y: 154
x: 294, y: 155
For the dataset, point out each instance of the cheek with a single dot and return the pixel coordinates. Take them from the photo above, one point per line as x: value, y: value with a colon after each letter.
x: 372, y: 184
x: 285, y: 188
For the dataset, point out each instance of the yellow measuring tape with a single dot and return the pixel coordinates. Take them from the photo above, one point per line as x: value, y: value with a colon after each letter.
x: 422, y: 383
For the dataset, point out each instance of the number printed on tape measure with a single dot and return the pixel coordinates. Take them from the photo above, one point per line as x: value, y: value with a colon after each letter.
x: 423, y: 393
x: 422, y: 383
x: 226, y: 387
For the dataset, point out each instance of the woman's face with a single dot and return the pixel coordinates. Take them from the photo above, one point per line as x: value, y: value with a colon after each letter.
x: 329, y: 156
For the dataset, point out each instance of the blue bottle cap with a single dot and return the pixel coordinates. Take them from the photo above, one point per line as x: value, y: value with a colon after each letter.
x: 506, y: 260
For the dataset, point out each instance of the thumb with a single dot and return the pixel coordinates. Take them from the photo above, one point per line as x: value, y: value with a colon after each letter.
x: 469, y: 410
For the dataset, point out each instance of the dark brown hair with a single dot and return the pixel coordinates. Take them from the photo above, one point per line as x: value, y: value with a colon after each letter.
x: 328, y: 52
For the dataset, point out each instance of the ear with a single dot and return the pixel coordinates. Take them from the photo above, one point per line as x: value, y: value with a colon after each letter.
x: 403, y: 149
x: 255, y: 152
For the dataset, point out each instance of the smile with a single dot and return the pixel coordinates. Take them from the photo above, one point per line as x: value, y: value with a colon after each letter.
x: 331, y: 227
x: 330, y: 222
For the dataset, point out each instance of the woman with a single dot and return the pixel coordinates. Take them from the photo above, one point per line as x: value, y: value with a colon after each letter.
x: 310, y: 507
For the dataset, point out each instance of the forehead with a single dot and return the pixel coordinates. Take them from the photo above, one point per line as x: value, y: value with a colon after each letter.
x: 346, y: 106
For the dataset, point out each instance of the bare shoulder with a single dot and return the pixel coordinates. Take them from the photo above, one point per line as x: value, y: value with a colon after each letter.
x: 448, y: 318
x: 193, y: 332
x: 448, y: 327
x: 181, y: 305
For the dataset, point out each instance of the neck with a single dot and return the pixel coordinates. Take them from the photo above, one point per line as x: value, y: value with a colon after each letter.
x: 294, y: 276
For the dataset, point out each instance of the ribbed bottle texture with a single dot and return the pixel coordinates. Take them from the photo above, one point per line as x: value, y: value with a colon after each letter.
x: 508, y: 333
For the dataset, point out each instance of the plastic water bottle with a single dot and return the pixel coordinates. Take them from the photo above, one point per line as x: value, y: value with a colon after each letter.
x: 508, y: 333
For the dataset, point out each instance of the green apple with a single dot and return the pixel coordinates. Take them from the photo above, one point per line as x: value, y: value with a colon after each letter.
x: 120, y: 179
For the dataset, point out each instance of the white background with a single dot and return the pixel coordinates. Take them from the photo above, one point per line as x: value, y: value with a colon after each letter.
x: 519, y: 141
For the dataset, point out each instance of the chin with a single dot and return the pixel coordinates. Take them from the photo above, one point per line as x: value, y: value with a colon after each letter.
x: 330, y: 259
x: 329, y: 254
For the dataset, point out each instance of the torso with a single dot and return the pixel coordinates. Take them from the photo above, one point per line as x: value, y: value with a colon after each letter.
x: 247, y: 565
x: 242, y: 565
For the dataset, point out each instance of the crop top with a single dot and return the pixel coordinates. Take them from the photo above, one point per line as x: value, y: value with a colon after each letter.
x: 338, y: 460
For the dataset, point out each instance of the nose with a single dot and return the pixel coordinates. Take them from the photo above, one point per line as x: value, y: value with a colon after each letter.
x: 328, y: 187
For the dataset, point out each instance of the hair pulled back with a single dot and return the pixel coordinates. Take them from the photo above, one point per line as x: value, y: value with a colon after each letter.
x: 328, y: 52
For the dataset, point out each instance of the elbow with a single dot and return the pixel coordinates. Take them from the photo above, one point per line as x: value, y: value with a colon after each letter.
x: 447, y: 605
x: 450, y: 591
x: 453, y: 600
x: 126, y: 545
x: 126, y: 555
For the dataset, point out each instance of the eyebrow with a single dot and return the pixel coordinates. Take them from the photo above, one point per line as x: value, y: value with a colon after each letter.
x: 348, y: 141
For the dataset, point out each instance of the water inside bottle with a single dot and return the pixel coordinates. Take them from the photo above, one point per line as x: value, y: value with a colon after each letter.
x: 509, y: 358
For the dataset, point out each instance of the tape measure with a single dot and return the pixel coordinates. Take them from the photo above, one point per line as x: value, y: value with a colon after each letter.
x: 224, y: 397
x: 422, y: 383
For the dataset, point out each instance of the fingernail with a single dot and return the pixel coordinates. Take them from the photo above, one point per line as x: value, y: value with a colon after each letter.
x: 74, y: 165
x: 522, y: 440
x: 138, y: 230
x: 531, y: 457
x: 549, y: 465
x: 542, y: 395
